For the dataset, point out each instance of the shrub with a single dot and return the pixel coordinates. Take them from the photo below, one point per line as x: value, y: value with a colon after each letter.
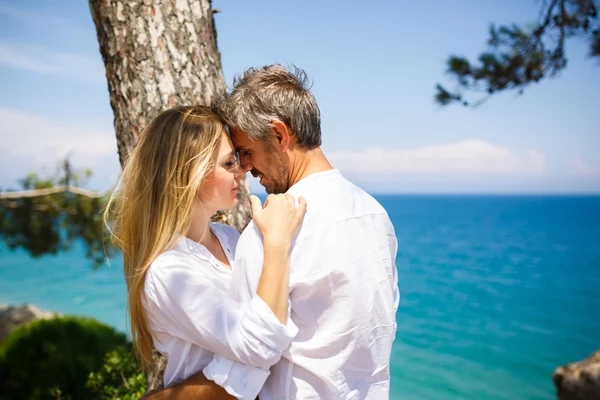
x: 54, y: 356
x: 120, y: 377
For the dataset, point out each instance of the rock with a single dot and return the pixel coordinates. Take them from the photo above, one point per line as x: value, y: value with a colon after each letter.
x: 12, y: 317
x: 579, y: 380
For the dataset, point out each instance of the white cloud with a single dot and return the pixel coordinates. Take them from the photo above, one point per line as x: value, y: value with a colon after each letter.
x: 33, y: 143
x: 469, y: 166
x: 42, y: 60
x: 582, y: 168
x: 460, y: 159
x: 11, y: 57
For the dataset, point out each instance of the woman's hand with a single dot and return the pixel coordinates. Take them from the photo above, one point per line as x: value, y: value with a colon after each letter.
x: 280, y: 219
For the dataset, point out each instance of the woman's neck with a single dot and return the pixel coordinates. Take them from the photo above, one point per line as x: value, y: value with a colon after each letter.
x: 199, y: 230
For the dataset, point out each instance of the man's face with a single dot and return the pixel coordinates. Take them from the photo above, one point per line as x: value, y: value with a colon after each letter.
x: 263, y: 159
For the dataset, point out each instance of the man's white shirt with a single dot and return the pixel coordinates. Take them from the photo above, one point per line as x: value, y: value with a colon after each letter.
x: 343, y: 298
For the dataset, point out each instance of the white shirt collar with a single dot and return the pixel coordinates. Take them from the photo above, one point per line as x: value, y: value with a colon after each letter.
x: 188, y: 245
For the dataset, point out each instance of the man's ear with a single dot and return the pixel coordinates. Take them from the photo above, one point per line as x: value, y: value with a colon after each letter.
x: 283, y: 134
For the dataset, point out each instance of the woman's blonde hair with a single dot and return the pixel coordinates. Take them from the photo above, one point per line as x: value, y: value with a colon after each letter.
x: 153, y: 202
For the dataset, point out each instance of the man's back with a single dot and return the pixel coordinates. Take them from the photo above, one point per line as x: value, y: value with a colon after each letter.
x: 343, y: 293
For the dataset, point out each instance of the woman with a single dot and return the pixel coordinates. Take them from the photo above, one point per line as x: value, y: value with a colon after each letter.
x: 178, y: 264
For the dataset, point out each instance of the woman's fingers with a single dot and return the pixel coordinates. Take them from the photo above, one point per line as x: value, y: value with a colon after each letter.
x: 290, y: 200
x: 269, y: 197
x: 299, y: 211
x: 302, y: 205
x: 256, y: 206
x: 281, y: 216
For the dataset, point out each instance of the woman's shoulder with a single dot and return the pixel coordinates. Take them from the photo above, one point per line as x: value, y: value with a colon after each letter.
x: 226, y: 229
x: 176, y: 260
x: 230, y: 233
x: 174, y: 269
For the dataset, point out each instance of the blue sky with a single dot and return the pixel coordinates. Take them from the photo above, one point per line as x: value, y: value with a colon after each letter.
x: 374, y: 66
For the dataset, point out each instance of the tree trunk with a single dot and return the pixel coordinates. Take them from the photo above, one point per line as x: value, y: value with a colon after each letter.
x: 159, y: 53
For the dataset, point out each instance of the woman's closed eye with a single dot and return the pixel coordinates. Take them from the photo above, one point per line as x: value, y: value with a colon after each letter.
x: 231, y: 163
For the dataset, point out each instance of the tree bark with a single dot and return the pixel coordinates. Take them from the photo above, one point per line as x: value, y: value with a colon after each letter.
x: 157, y: 54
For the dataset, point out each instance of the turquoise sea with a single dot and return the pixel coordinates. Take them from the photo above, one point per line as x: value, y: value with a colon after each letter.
x: 496, y: 291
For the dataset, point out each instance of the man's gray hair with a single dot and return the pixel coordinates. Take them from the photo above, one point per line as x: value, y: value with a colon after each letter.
x: 264, y: 94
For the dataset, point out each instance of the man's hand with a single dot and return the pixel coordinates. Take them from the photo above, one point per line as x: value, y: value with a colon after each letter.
x: 194, y: 387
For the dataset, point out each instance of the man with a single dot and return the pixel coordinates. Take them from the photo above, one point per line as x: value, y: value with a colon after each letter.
x: 343, y: 279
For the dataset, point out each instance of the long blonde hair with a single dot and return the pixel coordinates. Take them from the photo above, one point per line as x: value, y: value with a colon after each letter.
x: 153, y: 202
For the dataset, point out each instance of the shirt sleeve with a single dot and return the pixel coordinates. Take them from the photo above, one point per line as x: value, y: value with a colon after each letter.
x: 238, y: 379
x: 186, y: 303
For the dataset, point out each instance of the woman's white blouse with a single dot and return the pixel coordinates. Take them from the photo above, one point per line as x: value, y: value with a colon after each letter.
x: 192, y: 317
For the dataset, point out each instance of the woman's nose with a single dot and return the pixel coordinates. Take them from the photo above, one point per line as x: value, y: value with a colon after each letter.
x: 239, y: 172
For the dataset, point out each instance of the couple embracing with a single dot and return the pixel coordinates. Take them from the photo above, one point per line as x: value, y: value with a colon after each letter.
x: 302, y: 305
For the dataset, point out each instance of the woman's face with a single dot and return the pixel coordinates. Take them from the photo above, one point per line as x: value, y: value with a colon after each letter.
x: 221, y: 186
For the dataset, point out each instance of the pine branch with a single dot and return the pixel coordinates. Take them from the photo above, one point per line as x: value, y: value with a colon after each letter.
x: 518, y: 57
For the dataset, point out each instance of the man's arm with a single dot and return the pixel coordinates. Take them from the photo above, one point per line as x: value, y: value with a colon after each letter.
x: 195, y: 387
